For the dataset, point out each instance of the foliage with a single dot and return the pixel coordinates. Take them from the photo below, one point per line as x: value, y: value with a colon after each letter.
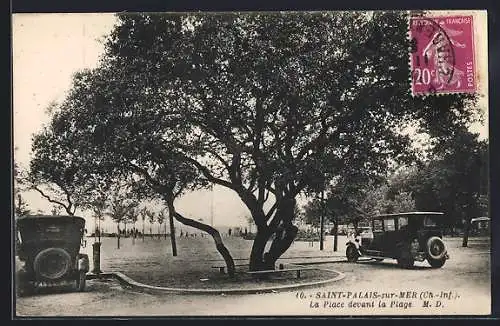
x: 313, y: 211
x: 133, y: 211
x: 455, y: 180
x: 63, y: 177
x: 151, y: 217
x: 267, y: 105
x: 120, y: 206
x: 21, y: 207
x: 162, y: 216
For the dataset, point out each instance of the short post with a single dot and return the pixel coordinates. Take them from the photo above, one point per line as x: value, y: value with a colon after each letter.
x: 96, y: 253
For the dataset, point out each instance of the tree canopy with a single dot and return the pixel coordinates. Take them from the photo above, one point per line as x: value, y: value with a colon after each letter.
x: 268, y: 105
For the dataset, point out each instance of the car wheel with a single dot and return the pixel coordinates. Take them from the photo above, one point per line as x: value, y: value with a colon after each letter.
x: 351, y: 253
x: 436, y: 249
x: 436, y: 263
x: 405, y: 259
x: 52, y: 263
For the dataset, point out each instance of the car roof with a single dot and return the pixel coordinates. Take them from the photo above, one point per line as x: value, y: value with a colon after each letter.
x: 48, y: 217
x: 408, y: 214
x: 482, y: 218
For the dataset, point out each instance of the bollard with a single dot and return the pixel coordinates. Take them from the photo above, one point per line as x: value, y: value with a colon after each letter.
x: 96, y: 251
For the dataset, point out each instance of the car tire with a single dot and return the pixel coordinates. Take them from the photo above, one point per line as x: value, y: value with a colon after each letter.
x: 405, y: 259
x: 52, y: 263
x: 351, y: 253
x: 436, y: 249
x: 436, y: 263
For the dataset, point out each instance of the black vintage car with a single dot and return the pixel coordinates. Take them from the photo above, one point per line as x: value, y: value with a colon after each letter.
x: 49, y: 247
x: 407, y: 237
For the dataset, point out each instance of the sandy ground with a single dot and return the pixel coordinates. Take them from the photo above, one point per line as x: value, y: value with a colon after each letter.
x: 461, y: 287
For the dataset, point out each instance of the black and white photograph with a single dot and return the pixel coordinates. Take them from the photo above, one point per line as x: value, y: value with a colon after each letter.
x: 252, y: 163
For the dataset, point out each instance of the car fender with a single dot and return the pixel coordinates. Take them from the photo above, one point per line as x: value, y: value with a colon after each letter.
x: 355, y: 244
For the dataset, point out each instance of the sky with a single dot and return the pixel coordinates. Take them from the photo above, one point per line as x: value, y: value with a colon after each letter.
x: 47, y: 50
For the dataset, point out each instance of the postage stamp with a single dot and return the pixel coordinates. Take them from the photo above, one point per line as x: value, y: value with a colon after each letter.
x: 442, y: 55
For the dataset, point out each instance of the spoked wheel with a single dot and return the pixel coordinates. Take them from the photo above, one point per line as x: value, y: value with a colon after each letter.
x: 52, y: 263
x: 352, y: 254
x: 436, y: 252
x: 81, y: 281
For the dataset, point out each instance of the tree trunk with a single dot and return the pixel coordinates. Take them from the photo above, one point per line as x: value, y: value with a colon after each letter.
x: 172, y: 232
x: 219, y: 244
x: 221, y: 248
x: 282, y: 241
x: 142, y: 230
x: 335, y: 236
x: 284, y: 235
x: 356, y: 222
x: 465, y: 239
x: 118, y: 236
x: 258, y: 247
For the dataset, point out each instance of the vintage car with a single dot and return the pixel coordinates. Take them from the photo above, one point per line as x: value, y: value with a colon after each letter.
x: 48, y: 246
x: 407, y: 237
x: 480, y: 226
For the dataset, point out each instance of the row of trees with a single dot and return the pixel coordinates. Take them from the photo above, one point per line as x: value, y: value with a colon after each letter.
x: 452, y: 179
x: 116, y: 201
x: 270, y: 106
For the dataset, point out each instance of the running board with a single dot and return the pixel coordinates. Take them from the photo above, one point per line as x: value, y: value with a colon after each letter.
x: 420, y: 257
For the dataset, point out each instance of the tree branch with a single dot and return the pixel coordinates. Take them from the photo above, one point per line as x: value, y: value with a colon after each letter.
x: 50, y: 199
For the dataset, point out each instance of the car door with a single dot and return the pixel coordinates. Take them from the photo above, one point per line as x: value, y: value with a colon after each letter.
x: 378, y: 235
x: 391, y: 235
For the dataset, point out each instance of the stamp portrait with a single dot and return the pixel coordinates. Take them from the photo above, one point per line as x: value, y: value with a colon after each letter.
x: 442, y: 56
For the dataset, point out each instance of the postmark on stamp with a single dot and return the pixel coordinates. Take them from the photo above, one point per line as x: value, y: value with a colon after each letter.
x: 442, y: 55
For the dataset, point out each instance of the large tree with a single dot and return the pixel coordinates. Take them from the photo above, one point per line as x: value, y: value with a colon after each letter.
x: 456, y: 180
x: 58, y: 172
x: 267, y: 105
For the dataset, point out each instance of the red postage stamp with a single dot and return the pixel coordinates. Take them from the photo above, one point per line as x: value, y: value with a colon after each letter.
x: 442, y: 55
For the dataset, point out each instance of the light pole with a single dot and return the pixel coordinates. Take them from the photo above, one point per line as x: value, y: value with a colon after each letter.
x: 212, y: 206
x: 322, y: 220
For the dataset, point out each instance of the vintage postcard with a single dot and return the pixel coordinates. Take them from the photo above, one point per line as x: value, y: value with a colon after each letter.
x: 322, y: 163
